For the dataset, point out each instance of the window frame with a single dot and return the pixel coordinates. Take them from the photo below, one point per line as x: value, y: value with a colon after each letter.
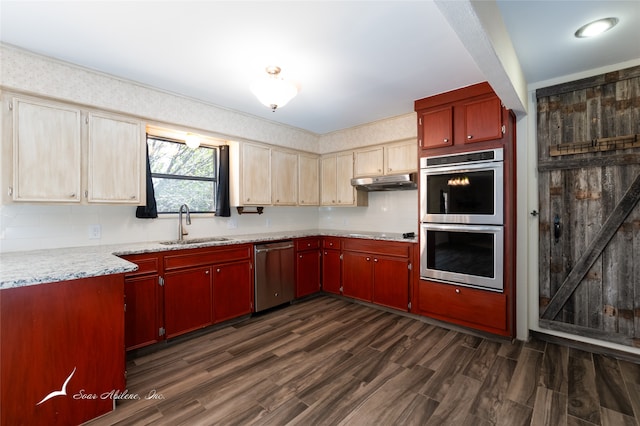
x: 214, y: 179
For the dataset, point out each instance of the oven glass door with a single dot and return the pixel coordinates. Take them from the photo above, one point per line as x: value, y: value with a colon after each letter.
x: 463, y: 254
x: 463, y: 194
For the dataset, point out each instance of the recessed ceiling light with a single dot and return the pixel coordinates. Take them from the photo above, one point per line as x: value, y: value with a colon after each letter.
x: 596, y: 27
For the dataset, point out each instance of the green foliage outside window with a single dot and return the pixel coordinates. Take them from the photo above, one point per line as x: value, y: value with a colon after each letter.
x: 182, y: 175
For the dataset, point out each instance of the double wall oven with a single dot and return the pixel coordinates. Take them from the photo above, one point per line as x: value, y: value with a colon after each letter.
x: 462, y: 219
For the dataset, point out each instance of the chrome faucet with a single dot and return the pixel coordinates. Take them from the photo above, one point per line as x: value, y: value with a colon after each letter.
x: 181, y: 231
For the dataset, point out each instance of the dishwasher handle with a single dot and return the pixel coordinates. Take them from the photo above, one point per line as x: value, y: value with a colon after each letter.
x: 273, y: 249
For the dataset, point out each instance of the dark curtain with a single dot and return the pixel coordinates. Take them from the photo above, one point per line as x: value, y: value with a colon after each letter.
x: 222, y: 197
x: 150, y: 211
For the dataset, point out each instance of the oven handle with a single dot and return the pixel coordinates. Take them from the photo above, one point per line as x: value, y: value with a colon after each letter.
x: 460, y: 227
x: 463, y: 168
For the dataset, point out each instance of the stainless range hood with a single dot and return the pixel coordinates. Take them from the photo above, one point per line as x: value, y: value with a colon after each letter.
x: 386, y: 183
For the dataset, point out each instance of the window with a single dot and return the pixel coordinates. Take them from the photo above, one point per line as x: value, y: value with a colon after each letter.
x: 182, y: 175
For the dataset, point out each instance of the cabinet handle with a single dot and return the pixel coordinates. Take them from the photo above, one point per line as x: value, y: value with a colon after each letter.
x: 10, y: 191
x: 458, y: 290
x: 469, y: 137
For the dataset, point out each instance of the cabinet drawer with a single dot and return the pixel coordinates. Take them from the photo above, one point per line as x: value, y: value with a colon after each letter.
x: 307, y: 243
x: 331, y: 243
x: 207, y: 256
x: 468, y: 306
x: 389, y: 248
x: 147, y: 264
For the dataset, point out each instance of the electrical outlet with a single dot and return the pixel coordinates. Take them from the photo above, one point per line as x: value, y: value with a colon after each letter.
x: 95, y: 232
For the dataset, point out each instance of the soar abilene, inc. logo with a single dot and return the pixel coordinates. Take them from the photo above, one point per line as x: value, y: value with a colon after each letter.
x: 112, y: 394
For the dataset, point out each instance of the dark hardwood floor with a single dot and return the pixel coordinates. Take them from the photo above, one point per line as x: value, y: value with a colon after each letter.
x: 326, y: 361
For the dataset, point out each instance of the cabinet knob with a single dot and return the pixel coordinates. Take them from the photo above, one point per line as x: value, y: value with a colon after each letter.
x: 458, y: 290
x: 375, y: 260
x: 368, y: 259
x: 218, y: 270
x: 133, y: 197
x: 469, y: 137
x: 277, y: 201
x: 331, y: 244
x: 206, y: 272
x: 446, y: 140
x: 300, y: 256
x: 308, y: 244
x: 73, y: 195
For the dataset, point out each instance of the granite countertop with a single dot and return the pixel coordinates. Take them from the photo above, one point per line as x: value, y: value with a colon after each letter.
x: 24, y: 268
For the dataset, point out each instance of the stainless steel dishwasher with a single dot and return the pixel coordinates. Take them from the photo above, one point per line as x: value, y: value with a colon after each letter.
x: 274, y: 274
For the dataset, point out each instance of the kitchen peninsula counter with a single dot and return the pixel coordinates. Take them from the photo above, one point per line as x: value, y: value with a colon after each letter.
x: 25, y: 268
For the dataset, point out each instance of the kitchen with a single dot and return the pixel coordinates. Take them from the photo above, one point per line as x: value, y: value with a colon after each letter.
x: 27, y: 227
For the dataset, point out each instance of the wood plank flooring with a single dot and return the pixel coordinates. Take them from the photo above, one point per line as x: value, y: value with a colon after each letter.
x: 327, y: 361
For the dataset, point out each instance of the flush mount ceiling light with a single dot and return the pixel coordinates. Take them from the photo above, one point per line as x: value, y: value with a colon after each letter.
x: 596, y: 27
x: 192, y: 141
x: 272, y: 91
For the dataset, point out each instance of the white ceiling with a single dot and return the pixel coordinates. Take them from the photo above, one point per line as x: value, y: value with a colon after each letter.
x: 354, y: 61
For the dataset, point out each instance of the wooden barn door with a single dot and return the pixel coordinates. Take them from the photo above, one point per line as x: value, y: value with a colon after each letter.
x: 589, y: 186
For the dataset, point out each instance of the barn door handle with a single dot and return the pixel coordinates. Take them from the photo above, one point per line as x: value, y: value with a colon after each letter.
x: 556, y: 228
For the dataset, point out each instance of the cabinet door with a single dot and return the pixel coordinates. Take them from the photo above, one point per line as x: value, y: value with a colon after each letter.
x: 331, y: 271
x: 483, y: 120
x: 284, y: 166
x: 307, y: 272
x: 344, y: 174
x: 357, y: 275
x: 47, y: 152
x: 187, y: 300
x: 116, y: 162
x: 328, y: 186
x: 256, y: 175
x: 232, y: 290
x: 369, y: 162
x: 436, y: 128
x: 391, y: 282
x: 142, y: 317
x: 308, y: 180
x: 401, y: 158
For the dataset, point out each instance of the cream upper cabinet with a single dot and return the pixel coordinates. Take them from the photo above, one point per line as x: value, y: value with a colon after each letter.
x: 62, y: 153
x: 308, y: 180
x: 328, y: 175
x: 386, y: 159
x: 250, y: 174
x: 345, y: 191
x: 401, y: 158
x: 284, y: 166
x: 335, y: 184
x: 47, y: 151
x: 116, y: 157
x: 369, y: 162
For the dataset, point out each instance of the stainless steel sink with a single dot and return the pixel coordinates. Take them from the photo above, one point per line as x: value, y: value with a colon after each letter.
x: 194, y: 241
